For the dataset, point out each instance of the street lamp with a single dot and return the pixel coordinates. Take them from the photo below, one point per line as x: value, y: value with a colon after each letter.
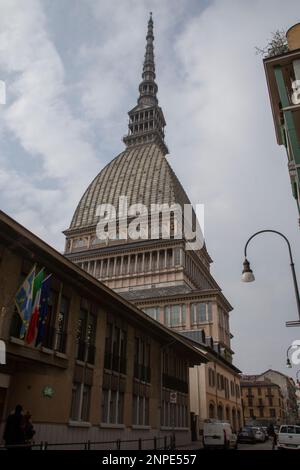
x: 248, y: 276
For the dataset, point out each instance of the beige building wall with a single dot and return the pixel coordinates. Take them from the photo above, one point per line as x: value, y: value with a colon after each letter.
x: 212, y: 398
x: 263, y: 403
x: 31, y: 372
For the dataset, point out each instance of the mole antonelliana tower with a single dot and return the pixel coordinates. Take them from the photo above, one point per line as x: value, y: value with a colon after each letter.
x: 161, y: 276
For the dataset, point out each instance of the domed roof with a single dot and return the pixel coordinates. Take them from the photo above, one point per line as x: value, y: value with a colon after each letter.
x: 141, y: 173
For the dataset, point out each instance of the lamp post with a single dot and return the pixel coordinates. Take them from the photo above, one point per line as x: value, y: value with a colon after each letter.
x: 248, y: 276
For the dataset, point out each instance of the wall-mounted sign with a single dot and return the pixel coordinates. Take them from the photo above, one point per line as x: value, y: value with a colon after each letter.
x: 48, y: 392
x: 173, y: 397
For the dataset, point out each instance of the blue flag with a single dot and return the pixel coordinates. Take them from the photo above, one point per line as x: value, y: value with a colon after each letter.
x: 43, y: 312
x: 23, y: 301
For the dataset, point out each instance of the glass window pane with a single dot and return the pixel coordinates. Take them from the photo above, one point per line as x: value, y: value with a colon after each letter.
x: 85, y: 409
x: 105, y: 395
x: 120, y: 408
x: 141, y: 410
x: 183, y: 314
x: 209, y: 311
x: 75, y: 401
x: 147, y: 412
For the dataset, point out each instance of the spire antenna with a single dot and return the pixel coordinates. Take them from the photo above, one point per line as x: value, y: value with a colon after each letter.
x: 146, y: 120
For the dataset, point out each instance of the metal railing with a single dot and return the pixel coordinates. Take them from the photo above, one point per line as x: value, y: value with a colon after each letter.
x: 156, y: 443
x: 53, y: 339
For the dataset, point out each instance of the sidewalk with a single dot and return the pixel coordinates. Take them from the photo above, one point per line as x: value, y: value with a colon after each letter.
x: 193, y: 445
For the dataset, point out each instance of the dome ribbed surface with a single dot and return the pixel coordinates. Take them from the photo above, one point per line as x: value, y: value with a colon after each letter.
x: 141, y: 173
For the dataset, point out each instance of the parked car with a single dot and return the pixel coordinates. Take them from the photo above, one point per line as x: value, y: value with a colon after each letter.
x: 265, y: 429
x: 218, y: 434
x: 247, y: 435
x: 289, y: 437
x: 259, y: 433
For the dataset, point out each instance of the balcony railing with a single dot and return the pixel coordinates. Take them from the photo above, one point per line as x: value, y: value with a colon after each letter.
x: 53, y: 339
x: 175, y: 384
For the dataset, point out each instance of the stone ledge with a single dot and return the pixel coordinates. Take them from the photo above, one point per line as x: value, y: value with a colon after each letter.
x: 79, y: 424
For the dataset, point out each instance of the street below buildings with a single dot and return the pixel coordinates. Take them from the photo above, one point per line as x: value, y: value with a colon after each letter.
x: 258, y: 446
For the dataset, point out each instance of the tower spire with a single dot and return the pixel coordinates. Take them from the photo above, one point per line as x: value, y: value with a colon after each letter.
x: 146, y: 120
x: 148, y: 87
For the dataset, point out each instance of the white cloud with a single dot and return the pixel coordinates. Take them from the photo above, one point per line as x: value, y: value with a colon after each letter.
x: 37, y: 114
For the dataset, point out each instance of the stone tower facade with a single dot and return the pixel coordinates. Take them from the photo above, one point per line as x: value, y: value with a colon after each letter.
x: 170, y: 282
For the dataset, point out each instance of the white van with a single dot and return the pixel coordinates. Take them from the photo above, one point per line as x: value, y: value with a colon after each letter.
x: 289, y: 437
x: 218, y: 434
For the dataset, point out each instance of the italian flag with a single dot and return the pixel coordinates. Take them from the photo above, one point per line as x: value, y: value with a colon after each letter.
x: 37, y: 288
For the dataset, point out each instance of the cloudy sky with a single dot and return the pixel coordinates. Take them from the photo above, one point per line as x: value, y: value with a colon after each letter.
x: 72, y: 69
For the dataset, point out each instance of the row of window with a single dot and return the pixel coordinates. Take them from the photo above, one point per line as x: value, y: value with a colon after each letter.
x: 112, y: 407
x: 261, y: 413
x: 268, y: 391
x: 55, y: 335
x: 56, y: 327
x: 174, y: 415
x: 222, y: 383
x: 261, y: 402
x: 225, y: 413
x: 129, y: 264
x: 141, y: 115
x: 175, y: 315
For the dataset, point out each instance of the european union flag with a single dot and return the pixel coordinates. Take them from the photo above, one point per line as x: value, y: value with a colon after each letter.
x: 43, y: 313
x: 23, y: 301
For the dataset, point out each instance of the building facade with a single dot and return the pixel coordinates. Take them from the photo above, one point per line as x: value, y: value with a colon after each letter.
x: 163, y: 275
x: 105, y: 371
x: 288, y: 389
x: 289, y: 408
x: 263, y: 402
x: 283, y: 79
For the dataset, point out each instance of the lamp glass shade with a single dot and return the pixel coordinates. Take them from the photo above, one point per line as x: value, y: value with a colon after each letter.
x: 248, y: 276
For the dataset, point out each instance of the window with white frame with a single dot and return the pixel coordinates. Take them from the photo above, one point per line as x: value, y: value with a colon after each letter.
x: 80, y: 405
x: 175, y: 315
x: 174, y: 414
x: 201, y: 312
x: 140, y: 410
x: 112, y: 406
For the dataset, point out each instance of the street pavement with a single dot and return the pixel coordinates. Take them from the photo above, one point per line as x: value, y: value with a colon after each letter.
x: 258, y: 446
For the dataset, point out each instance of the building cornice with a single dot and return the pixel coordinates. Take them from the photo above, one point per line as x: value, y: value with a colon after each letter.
x: 194, y: 295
